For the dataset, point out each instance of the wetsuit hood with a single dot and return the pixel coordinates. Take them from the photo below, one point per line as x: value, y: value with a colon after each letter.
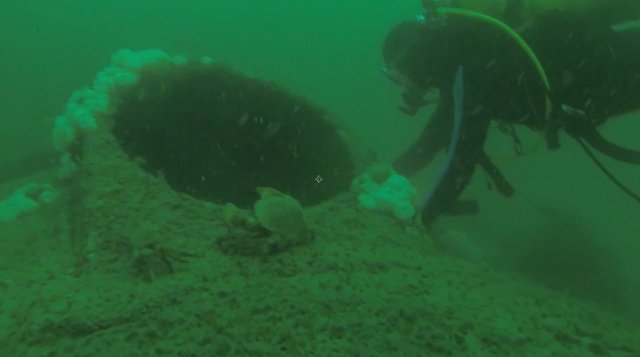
x: 419, y: 52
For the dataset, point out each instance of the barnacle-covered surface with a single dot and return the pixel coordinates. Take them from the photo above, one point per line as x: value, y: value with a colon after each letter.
x: 125, y: 263
x: 366, y: 285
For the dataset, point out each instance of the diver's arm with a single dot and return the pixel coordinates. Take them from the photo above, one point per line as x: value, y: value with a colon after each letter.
x: 467, y: 154
x: 434, y: 138
x: 617, y: 11
x: 579, y: 127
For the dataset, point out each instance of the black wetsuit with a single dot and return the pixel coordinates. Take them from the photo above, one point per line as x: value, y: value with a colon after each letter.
x: 593, y: 72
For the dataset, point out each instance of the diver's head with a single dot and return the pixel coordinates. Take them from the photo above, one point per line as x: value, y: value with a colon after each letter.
x: 403, y: 68
x: 397, y: 46
x: 411, y: 53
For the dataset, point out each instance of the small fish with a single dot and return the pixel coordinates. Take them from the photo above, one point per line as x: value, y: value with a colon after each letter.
x: 272, y: 129
x: 243, y: 119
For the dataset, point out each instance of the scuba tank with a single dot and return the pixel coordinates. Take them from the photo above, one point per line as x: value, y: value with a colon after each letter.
x: 518, y: 12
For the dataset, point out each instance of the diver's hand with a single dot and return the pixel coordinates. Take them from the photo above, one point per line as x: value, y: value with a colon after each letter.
x: 413, y: 101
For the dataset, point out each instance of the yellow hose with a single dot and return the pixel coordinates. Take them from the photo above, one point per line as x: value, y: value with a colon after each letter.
x: 515, y: 36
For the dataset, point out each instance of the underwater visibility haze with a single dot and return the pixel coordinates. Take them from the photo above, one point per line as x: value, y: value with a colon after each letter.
x: 327, y: 178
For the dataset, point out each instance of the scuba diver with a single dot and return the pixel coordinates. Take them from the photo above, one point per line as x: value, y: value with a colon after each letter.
x: 560, y: 71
